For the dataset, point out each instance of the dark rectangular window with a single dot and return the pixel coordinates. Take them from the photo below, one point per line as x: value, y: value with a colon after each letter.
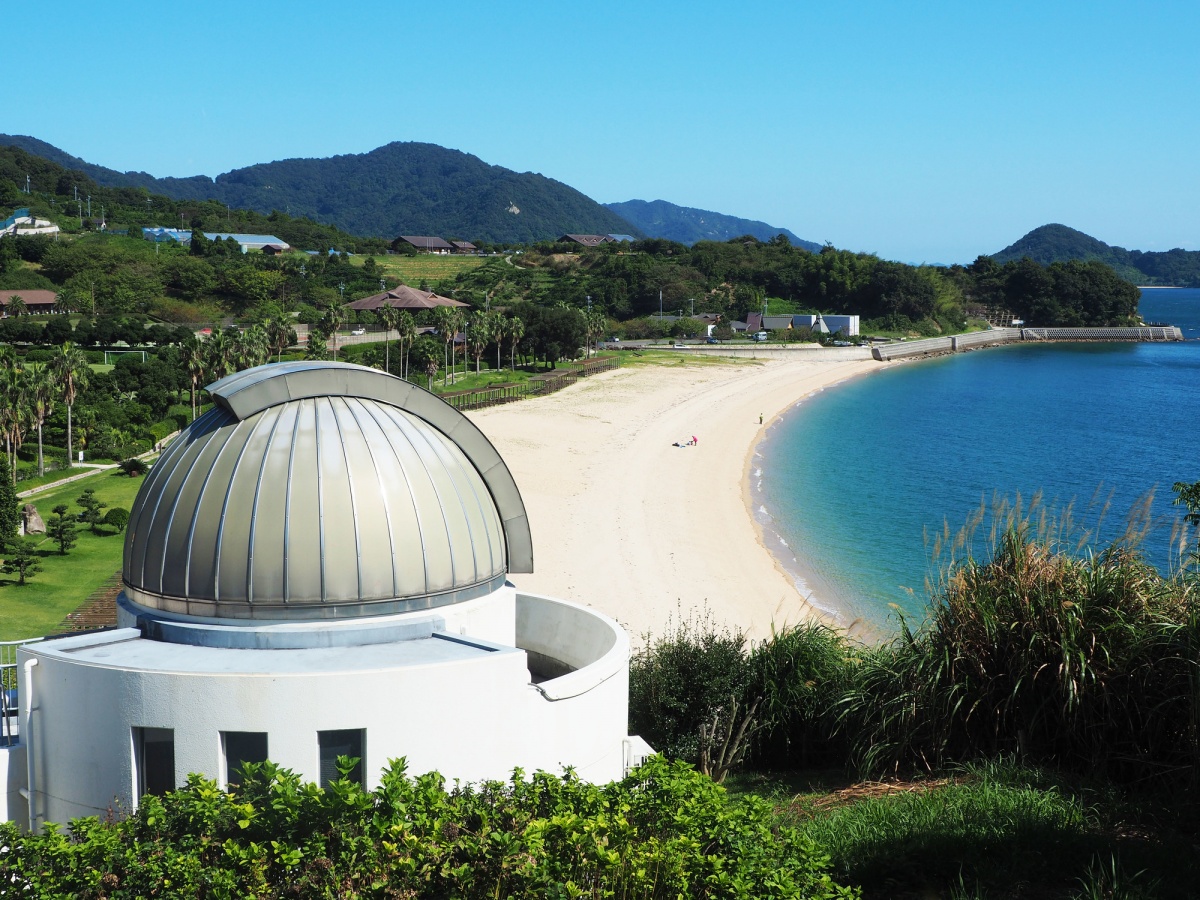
x: 154, y: 759
x: 331, y: 745
x: 242, y: 747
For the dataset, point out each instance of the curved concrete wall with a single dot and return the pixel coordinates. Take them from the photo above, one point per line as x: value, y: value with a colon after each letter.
x: 465, y: 707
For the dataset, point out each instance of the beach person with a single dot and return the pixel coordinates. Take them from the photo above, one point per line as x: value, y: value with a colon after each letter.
x: 760, y: 418
x: 695, y: 440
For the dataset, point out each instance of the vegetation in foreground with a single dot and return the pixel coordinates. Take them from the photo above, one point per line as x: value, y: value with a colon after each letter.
x: 663, y: 832
x: 1080, y: 671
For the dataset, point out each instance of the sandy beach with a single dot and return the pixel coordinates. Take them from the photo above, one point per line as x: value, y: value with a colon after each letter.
x: 625, y: 521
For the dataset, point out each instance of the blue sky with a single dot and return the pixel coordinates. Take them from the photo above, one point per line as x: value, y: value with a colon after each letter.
x: 923, y: 132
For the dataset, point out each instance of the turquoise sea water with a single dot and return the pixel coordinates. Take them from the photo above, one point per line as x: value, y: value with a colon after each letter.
x: 855, y: 477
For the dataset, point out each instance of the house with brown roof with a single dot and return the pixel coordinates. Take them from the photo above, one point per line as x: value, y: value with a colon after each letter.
x: 464, y: 247
x: 404, y: 297
x: 586, y: 240
x: 38, y: 302
x: 423, y: 243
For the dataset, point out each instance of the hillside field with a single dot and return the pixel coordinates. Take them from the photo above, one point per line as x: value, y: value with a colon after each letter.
x: 412, y: 269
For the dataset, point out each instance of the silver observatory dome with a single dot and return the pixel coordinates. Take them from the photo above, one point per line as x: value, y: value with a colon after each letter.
x: 323, y: 491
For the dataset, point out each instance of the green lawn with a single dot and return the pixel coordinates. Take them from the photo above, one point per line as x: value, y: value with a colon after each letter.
x: 412, y: 269
x: 65, y: 582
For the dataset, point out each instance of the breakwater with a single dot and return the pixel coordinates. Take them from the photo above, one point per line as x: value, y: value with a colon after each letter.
x: 996, y: 336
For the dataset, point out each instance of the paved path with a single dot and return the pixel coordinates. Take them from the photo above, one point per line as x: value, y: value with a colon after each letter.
x: 92, y: 469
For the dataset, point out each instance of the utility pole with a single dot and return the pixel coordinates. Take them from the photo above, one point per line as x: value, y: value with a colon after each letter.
x: 89, y: 205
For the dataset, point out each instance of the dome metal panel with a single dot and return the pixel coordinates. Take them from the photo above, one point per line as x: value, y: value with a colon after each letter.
x: 293, y: 501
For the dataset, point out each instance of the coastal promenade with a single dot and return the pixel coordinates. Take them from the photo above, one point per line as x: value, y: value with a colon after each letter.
x: 997, y: 336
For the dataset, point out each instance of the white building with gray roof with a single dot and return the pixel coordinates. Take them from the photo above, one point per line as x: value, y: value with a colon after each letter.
x: 318, y: 567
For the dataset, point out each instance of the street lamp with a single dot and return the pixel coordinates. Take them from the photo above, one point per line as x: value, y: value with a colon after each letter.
x: 342, y: 291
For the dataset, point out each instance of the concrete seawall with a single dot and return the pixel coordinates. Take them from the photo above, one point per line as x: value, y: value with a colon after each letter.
x: 996, y: 336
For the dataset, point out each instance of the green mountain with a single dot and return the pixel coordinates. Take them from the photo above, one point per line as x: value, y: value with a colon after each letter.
x: 401, y: 188
x: 66, y: 195
x: 1058, y: 243
x: 661, y: 219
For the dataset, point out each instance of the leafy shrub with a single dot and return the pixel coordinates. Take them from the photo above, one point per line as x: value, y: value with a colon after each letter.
x: 701, y: 694
x: 663, y: 832
x: 1089, y: 663
x: 117, y: 518
x: 678, y: 681
x: 159, y: 430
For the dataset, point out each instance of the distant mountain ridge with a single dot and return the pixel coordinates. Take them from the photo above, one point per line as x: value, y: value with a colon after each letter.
x: 658, y: 218
x: 1058, y: 243
x: 400, y: 188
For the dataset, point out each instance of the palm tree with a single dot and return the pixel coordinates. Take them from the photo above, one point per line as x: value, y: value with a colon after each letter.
x: 318, y: 340
x: 406, y: 329
x: 280, y: 336
x: 66, y: 301
x: 250, y: 348
x: 593, y: 323
x: 15, y: 409
x: 389, y: 318
x: 193, y: 361
x: 16, y: 305
x: 443, y: 321
x: 497, y: 334
x: 218, y: 355
x: 9, y: 393
x: 477, y: 335
x: 458, y: 322
x: 71, y: 370
x: 41, y: 403
x: 514, y: 329
x: 335, y: 317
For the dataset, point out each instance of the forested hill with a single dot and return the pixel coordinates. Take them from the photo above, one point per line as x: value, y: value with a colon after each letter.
x: 660, y: 219
x: 401, y: 188
x: 1058, y: 243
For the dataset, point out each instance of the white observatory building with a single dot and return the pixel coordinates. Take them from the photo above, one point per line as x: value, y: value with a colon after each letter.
x: 319, y: 567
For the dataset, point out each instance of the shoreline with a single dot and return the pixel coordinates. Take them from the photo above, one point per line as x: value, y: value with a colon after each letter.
x: 827, y: 604
x: 630, y: 519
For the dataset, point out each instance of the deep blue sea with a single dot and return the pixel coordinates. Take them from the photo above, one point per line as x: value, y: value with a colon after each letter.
x: 859, y: 478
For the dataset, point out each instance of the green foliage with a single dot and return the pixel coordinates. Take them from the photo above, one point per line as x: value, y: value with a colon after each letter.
x: 663, y: 832
x: 10, y: 506
x: 678, y: 680
x: 438, y: 191
x: 700, y: 693
x: 21, y: 559
x: 133, y: 467
x: 1060, y: 244
x: 61, y: 527
x: 117, y: 518
x: 91, y: 515
x: 1091, y: 664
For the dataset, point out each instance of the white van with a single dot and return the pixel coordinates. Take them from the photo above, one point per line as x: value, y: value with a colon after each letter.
x: 759, y: 336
